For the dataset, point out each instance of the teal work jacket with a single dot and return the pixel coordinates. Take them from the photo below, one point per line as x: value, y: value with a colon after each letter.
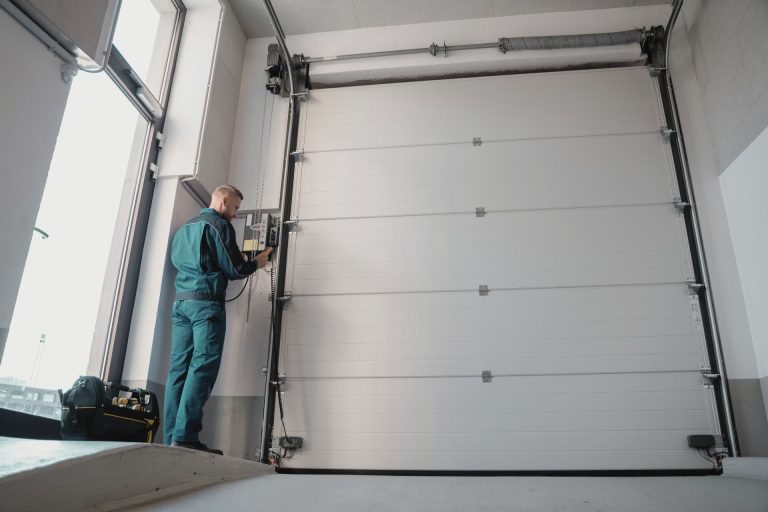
x: 206, y: 255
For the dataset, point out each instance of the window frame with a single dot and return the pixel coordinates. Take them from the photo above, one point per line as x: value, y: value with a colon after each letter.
x: 114, y: 344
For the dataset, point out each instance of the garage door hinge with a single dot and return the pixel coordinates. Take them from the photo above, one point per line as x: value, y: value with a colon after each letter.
x: 154, y: 170
x: 709, y: 377
x: 291, y: 224
x: 483, y: 289
x: 480, y: 211
x: 298, y: 155
x: 285, y: 300
x: 666, y: 134
x: 160, y: 138
x: 477, y: 141
x: 655, y: 71
x: 694, y: 288
x: 486, y: 376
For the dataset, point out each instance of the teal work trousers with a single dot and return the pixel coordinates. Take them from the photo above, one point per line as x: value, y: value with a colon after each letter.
x: 197, y: 333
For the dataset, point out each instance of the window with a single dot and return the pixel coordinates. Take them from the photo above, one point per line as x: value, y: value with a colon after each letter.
x: 88, y: 214
x: 153, y: 22
x: 53, y: 322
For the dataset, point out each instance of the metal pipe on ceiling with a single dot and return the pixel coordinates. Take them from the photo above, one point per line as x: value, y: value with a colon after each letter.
x: 509, y: 44
x: 699, y: 244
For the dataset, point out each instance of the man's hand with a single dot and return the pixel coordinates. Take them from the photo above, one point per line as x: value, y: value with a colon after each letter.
x: 263, y: 256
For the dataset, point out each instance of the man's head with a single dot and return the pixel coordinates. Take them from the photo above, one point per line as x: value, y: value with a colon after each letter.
x: 226, y: 200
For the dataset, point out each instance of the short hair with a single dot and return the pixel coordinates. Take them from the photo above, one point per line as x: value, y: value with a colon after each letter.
x: 222, y: 190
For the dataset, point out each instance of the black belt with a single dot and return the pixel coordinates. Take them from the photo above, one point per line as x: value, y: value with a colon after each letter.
x: 199, y: 296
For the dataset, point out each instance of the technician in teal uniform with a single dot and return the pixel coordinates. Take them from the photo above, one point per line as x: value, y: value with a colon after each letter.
x: 207, y: 257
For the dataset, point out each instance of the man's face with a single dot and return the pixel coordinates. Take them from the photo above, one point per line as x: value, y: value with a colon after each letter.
x: 231, y: 204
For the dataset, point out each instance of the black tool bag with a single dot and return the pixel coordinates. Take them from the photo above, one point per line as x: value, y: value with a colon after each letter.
x: 95, y: 411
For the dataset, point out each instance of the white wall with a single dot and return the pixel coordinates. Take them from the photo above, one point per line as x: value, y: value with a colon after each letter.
x: 203, y: 106
x: 216, y: 143
x: 32, y: 100
x: 259, y: 137
x: 190, y: 95
x: 744, y: 184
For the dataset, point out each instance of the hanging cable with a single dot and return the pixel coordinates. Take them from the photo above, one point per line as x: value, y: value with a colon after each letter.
x: 263, y: 150
x: 241, y: 290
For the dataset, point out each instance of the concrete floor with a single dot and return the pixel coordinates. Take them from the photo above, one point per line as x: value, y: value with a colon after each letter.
x: 124, y: 476
x: 299, y: 493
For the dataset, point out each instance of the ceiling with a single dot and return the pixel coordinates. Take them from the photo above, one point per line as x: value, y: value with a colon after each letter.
x: 308, y: 16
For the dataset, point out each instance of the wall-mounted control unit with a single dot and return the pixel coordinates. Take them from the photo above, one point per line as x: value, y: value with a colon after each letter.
x: 260, y: 233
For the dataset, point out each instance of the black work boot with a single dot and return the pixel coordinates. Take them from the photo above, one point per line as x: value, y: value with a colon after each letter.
x: 196, y: 445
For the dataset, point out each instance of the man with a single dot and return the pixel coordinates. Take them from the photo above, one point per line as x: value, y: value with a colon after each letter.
x: 206, y: 255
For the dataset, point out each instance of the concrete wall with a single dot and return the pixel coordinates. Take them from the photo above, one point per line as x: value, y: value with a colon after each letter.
x: 32, y: 100
x: 729, y: 45
x: 700, y: 100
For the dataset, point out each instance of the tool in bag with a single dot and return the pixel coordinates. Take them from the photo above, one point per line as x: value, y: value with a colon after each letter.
x: 95, y: 411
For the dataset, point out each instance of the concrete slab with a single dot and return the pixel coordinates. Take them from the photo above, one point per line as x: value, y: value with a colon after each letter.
x: 19, y: 455
x: 95, y: 476
x: 747, y: 467
x: 300, y: 493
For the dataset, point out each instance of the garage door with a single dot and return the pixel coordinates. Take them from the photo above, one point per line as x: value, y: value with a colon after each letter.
x: 490, y: 274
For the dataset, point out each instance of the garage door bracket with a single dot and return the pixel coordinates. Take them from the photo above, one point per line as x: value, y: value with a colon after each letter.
x: 486, y: 376
x: 298, y: 155
x: 666, y: 134
x: 480, y: 211
x: 680, y: 206
x: 483, y: 290
x: 477, y: 141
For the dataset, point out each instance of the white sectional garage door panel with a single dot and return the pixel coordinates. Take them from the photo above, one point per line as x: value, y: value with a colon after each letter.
x: 593, y: 341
